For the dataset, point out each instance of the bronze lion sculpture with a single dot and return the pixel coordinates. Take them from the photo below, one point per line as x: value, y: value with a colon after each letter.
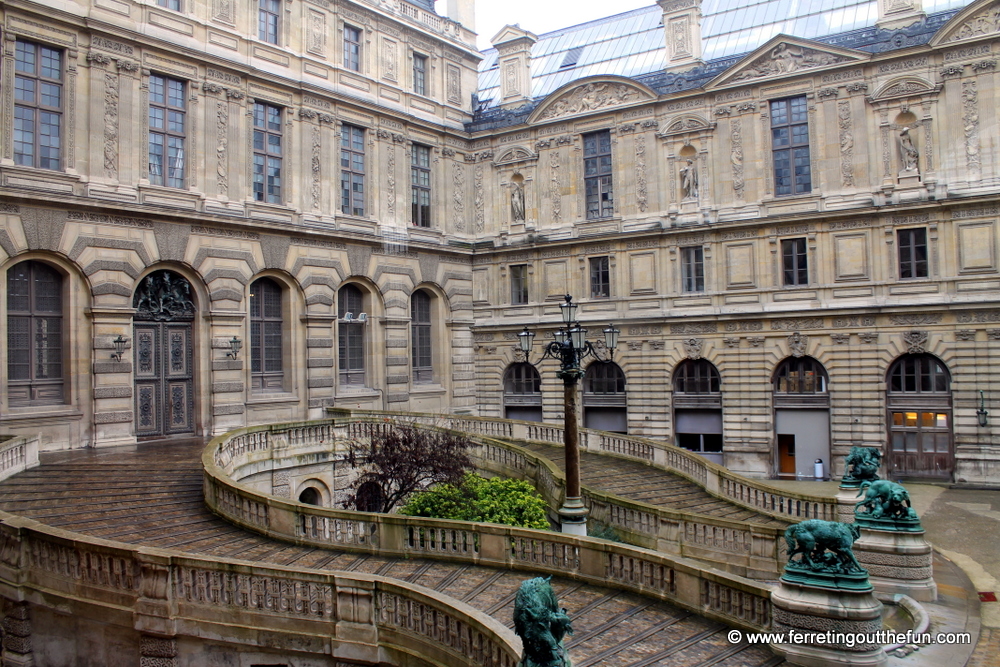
x: 815, y: 538
x: 541, y: 625
x: 863, y: 463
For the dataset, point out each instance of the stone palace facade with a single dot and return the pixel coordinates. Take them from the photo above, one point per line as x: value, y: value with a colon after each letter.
x: 221, y: 213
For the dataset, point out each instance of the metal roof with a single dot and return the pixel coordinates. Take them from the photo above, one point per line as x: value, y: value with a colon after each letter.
x: 632, y: 44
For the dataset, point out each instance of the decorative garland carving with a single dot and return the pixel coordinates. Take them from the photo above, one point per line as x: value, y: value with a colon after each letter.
x: 555, y: 191
x: 317, y: 168
x: 970, y: 125
x: 480, y: 202
x: 458, y: 176
x: 390, y: 195
x: 641, y: 194
x: 736, y: 157
x: 846, y: 144
x: 111, y: 96
x: 222, y: 148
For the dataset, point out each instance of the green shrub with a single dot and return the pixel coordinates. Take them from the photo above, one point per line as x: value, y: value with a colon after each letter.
x: 511, y: 502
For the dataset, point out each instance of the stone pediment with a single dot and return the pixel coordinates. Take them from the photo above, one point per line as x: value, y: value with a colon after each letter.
x: 783, y: 56
x: 514, y: 154
x: 589, y: 95
x: 904, y: 86
x: 980, y: 19
x: 509, y: 33
x: 685, y: 124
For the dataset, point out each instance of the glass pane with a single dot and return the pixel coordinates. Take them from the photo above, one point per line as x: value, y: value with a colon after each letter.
x: 942, y: 420
x: 911, y: 419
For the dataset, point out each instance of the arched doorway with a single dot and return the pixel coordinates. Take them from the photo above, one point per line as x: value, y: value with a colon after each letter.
x: 697, y: 403
x: 801, y: 417
x: 918, y: 398
x: 163, y: 355
x: 522, y: 393
x: 605, y: 404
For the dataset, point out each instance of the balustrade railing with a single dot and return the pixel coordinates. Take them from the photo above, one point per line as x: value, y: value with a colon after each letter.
x: 17, y: 454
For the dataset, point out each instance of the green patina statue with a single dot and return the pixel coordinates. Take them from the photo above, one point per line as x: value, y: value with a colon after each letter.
x: 886, y: 506
x: 541, y: 625
x: 826, y: 547
x: 863, y: 464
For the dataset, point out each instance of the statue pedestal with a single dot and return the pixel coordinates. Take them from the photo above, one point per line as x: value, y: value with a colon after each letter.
x: 815, y: 602
x: 898, y: 561
x: 847, y: 498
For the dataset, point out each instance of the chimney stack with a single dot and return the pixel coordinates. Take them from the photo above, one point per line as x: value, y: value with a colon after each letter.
x: 514, y: 47
x: 682, y: 27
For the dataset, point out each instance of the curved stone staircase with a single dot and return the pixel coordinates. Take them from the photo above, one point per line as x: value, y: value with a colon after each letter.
x: 152, y: 495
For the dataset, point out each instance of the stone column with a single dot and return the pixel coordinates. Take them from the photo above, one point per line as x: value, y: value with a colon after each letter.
x: 682, y: 28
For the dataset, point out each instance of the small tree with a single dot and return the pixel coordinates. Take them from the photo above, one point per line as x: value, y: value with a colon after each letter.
x: 511, y: 502
x: 402, y: 459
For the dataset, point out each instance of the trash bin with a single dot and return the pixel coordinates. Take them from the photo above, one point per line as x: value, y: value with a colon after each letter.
x: 818, y: 472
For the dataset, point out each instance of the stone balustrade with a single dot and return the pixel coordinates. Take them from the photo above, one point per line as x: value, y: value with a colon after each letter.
x: 668, y: 577
x: 752, y: 494
x: 358, y: 614
x: 17, y: 454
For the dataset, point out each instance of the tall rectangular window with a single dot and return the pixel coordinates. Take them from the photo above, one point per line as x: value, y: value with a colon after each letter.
x: 597, y: 174
x: 912, y: 253
x: 351, y: 336
x: 267, y: 20
x: 600, y: 277
x: 352, y: 48
x: 34, y: 335
x: 793, y: 261
x: 790, y: 146
x: 166, y: 131
x: 266, y: 153
x: 519, y: 284
x: 352, y: 170
x: 420, y: 186
x: 266, y: 324
x: 38, y: 88
x: 693, y: 269
x: 420, y: 324
x: 419, y: 74
x: 170, y: 4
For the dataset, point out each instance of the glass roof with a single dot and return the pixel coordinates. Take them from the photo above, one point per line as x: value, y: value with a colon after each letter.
x: 632, y: 44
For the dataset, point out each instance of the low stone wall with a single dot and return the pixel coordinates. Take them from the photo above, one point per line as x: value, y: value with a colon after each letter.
x: 722, y: 596
x: 17, y: 454
x: 149, y: 597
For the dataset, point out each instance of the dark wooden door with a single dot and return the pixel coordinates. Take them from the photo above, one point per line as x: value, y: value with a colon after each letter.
x: 164, y: 382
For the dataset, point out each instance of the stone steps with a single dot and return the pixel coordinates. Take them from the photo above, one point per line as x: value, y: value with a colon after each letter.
x: 145, y: 495
x: 644, y: 483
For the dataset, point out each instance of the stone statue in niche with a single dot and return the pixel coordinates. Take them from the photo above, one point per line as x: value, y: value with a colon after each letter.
x: 517, y: 202
x: 689, y: 180
x: 908, y: 152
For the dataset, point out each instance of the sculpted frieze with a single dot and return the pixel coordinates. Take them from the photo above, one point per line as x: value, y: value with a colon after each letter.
x: 592, y: 97
x: 786, y: 59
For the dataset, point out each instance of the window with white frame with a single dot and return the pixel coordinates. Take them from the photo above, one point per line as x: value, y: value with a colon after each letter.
x: 693, y: 269
x: 38, y: 105
x: 167, y: 131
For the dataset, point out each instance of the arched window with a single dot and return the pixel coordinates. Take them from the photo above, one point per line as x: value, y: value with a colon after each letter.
x: 351, y: 335
x: 803, y: 375
x: 420, y: 328
x: 697, y: 401
x: 696, y: 377
x: 605, y: 404
x: 522, y: 393
x: 920, y: 418
x: 522, y: 379
x: 266, y: 323
x: 919, y: 374
x: 34, y: 335
x: 310, y: 496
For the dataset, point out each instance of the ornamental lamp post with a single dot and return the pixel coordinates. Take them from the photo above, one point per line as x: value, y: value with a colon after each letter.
x: 569, y: 348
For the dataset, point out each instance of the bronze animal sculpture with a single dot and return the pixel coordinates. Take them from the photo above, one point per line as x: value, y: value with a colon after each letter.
x: 884, y: 500
x: 541, y: 625
x: 864, y: 463
x: 826, y: 546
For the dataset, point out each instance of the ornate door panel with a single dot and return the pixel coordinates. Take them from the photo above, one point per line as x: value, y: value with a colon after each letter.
x: 164, y: 377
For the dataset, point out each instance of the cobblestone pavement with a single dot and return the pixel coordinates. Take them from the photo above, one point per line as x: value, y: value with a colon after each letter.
x: 151, y: 495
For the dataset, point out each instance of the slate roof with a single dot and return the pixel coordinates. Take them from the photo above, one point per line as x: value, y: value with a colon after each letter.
x: 631, y: 44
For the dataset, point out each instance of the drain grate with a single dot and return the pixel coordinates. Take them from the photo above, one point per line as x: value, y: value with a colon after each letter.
x: 987, y: 596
